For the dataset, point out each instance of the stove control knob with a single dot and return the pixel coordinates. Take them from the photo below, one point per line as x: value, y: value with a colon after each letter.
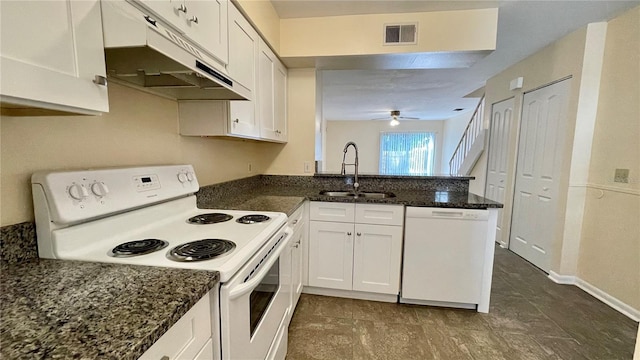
x: 78, y: 192
x: 190, y: 176
x: 99, y: 189
x: 182, y: 177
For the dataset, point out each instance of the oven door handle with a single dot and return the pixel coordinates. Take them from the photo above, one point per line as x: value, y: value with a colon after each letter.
x: 257, y: 279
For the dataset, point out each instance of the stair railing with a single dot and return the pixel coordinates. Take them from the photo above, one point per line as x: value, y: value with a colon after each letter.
x: 471, y: 132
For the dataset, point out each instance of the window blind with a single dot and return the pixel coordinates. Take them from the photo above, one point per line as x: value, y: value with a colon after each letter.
x: 407, y: 153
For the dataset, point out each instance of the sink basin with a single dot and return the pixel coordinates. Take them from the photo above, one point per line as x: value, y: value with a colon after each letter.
x: 377, y: 195
x: 365, y: 194
x: 337, y: 193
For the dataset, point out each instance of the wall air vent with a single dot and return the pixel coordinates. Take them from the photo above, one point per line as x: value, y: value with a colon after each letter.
x: 400, y: 34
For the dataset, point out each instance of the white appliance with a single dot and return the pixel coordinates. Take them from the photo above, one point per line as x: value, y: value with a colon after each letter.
x: 141, y: 50
x: 444, y: 256
x: 148, y: 216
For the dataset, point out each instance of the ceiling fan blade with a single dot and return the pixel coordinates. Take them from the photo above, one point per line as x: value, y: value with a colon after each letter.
x: 408, y: 118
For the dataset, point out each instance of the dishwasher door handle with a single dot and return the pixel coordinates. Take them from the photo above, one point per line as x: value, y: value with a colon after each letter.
x: 449, y: 214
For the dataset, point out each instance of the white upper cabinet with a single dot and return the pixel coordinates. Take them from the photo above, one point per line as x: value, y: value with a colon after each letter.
x: 243, y: 68
x: 203, y: 21
x: 52, y: 56
x: 272, y: 90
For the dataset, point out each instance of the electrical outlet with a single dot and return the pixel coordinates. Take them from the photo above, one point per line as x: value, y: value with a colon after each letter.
x: 249, y: 167
x: 307, y: 166
x: 621, y: 176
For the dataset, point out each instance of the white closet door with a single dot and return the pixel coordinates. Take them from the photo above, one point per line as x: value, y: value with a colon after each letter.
x: 498, y: 162
x: 540, y: 157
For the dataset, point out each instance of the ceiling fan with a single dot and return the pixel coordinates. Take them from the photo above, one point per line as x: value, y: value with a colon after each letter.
x: 395, y: 115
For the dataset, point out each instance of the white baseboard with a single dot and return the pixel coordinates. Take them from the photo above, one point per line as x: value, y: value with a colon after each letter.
x: 627, y: 310
x: 562, y: 279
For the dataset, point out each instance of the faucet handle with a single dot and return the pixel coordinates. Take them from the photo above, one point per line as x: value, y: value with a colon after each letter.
x: 356, y: 185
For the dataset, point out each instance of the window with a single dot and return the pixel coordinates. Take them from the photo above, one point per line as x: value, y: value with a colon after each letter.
x: 407, y: 153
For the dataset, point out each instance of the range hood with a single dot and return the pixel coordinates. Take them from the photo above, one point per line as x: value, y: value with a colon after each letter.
x: 140, y: 51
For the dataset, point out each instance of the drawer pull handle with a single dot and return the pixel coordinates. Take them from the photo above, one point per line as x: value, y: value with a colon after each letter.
x: 348, y: 234
x: 295, y: 221
x: 359, y: 234
x: 194, y: 19
x: 165, y: 358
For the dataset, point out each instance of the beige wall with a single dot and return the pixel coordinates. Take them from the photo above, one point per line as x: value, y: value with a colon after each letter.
x: 366, y: 134
x: 289, y: 159
x: 140, y: 129
x: 463, y: 30
x: 264, y: 18
x: 610, y: 246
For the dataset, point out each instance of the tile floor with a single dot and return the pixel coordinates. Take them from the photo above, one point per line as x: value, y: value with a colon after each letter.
x: 530, y: 318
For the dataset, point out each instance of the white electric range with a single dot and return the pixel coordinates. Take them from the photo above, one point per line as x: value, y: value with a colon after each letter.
x: 148, y: 216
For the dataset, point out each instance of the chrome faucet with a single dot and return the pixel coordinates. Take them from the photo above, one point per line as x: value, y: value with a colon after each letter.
x: 355, y: 164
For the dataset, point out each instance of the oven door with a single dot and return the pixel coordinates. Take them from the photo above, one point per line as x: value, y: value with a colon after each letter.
x: 255, y: 302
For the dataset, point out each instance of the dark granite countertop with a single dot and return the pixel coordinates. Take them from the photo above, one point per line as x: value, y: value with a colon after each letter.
x: 287, y: 199
x: 55, y: 309
x: 407, y: 177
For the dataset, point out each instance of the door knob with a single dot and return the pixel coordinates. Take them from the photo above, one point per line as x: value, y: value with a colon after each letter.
x: 100, y: 80
x: 359, y: 234
x: 545, y: 189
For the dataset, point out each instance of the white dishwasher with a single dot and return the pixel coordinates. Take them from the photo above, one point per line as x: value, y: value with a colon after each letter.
x: 444, y: 254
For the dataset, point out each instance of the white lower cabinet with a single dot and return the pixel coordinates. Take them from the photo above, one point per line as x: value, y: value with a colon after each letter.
x: 377, y: 254
x: 355, y: 256
x: 296, y: 266
x: 330, y: 255
x: 298, y: 223
x: 190, y: 338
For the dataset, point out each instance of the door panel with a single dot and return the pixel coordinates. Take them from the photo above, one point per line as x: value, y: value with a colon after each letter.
x: 51, y: 53
x: 377, y: 256
x: 330, y: 255
x: 540, y: 157
x: 500, y: 141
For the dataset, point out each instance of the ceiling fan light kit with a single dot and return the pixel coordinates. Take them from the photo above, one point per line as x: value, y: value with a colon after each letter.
x: 395, y: 116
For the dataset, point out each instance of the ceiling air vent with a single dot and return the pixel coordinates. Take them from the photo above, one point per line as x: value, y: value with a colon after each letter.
x: 400, y: 34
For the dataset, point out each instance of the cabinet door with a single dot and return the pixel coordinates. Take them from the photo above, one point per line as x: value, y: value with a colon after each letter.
x: 173, y: 12
x: 187, y: 338
x: 243, y: 68
x: 377, y: 258
x: 280, y: 101
x: 206, y: 24
x: 330, y: 255
x: 266, y: 72
x: 50, y: 54
x: 296, y: 265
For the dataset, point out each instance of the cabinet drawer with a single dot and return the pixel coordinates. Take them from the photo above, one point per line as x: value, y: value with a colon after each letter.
x: 379, y: 214
x: 331, y: 211
x: 296, y: 220
x: 186, y: 338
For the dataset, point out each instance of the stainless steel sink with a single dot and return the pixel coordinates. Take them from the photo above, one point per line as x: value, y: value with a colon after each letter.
x: 365, y: 194
x: 377, y: 195
x: 337, y: 193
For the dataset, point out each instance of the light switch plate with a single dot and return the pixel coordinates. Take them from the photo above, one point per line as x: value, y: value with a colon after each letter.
x: 621, y: 176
